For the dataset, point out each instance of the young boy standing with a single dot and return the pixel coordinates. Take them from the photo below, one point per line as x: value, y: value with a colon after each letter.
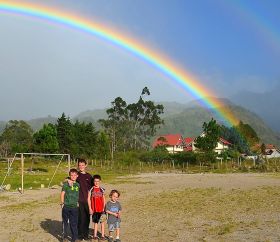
x: 96, y: 204
x: 113, y: 209
x: 85, y: 181
x: 69, y: 203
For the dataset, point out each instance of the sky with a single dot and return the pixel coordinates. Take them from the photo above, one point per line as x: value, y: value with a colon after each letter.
x: 47, y: 69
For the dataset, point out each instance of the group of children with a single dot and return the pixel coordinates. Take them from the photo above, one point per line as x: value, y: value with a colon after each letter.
x: 82, y: 197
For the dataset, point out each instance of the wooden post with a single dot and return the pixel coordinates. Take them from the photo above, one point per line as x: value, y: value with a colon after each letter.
x: 69, y: 163
x: 22, y: 172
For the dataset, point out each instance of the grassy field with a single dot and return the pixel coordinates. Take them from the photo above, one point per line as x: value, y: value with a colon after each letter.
x: 43, y: 170
x: 162, y: 207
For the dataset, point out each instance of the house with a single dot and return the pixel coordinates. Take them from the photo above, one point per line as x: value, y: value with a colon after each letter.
x: 189, y: 144
x: 221, y: 145
x: 175, y: 143
x: 271, y: 151
x: 172, y: 142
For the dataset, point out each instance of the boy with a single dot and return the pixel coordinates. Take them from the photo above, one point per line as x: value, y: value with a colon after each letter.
x: 113, y: 209
x: 85, y: 181
x: 69, y: 203
x: 96, y: 204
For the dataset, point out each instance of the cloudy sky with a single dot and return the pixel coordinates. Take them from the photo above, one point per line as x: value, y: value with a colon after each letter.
x: 47, y: 69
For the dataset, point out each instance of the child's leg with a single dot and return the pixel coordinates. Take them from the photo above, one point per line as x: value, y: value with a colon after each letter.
x: 73, y: 220
x: 65, y: 217
x: 102, y: 229
x: 111, y: 231
x: 95, y: 228
x: 117, y: 233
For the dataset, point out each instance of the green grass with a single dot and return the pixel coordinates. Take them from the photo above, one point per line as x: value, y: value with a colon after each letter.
x: 43, y: 170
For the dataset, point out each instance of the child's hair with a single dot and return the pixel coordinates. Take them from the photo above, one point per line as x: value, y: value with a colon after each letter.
x: 73, y: 170
x: 97, y: 177
x: 80, y: 160
x: 114, y: 191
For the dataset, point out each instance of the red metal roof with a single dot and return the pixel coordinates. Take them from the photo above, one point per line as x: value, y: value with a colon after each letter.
x: 225, y: 141
x: 188, y: 140
x: 168, y: 139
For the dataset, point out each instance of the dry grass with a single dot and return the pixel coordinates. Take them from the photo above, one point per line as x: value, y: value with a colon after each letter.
x: 212, y: 213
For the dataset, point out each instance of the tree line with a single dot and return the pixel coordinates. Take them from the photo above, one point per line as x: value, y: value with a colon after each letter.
x: 129, y: 126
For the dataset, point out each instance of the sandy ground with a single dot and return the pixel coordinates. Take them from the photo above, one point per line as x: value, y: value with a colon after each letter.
x: 36, y: 214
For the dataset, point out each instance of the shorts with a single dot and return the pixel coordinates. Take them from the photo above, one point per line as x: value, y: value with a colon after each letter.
x: 96, y: 217
x: 113, y: 226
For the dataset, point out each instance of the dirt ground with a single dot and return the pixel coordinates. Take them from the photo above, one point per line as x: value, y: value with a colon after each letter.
x: 161, y: 207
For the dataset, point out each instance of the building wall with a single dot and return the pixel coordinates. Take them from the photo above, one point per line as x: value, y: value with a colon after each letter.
x: 174, y: 149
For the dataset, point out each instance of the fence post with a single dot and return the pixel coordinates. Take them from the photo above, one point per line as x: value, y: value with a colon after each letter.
x: 22, y: 171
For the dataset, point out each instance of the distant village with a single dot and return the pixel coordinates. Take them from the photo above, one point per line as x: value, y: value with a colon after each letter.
x: 175, y: 143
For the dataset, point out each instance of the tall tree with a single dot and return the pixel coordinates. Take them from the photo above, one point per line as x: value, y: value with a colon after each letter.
x: 84, y: 139
x: 45, y: 140
x: 248, y: 132
x: 130, y: 126
x: 64, y: 133
x: 236, y: 138
x: 103, y: 146
x: 144, y: 117
x: 211, y: 134
x: 19, y: 135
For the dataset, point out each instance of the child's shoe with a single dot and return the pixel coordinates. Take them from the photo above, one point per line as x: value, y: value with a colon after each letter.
x: 117, y: 240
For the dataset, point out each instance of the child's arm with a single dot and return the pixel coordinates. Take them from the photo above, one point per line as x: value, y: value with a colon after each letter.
x: 62, y: 194
x: 89, y: 203
x: 109, y: 212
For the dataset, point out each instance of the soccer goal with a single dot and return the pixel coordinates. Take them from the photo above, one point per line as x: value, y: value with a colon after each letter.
x: 22, y: 156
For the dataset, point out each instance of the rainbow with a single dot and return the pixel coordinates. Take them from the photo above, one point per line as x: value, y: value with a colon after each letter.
x: 184, y: 79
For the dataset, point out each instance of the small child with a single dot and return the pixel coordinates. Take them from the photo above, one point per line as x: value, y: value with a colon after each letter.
x: 96, y: 204
x: 113, y: 209
x: 69, y: 202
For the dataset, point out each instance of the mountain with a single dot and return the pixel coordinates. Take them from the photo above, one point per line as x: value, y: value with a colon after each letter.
x: 186, y: 119
x: 91, y: 115
x: 189, y: 122
x: 263, y: 104
x: 38, y: 123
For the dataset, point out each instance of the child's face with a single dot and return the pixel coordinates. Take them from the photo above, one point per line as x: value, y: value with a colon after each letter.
x: 115, y: 197
x: 96, y: 182
x: 82, y: 166
x: 73, y: 176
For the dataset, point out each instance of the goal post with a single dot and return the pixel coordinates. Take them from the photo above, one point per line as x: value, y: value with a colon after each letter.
x: 23, y: 155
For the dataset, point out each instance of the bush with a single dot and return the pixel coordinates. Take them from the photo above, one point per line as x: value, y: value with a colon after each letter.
x: 185, y: 157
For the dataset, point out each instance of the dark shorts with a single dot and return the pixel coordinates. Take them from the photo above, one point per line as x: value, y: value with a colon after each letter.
x: 96, y: 217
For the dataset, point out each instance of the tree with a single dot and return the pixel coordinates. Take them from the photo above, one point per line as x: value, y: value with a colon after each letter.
x: 130, y: 126
x: 210, y: 137
x: 103, y: 146
x: 115, y: 124
x: 234, y: 136
x: 84, y: 140
x: 18, y: 134
x: 144, y: 117
x: 45, y: 140
x: 248, y: 133
x: 64, y: 133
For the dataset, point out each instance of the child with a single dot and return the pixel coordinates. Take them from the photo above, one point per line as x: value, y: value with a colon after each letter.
x: 69, y: 202
x: 96, y: 204
x: 113, y: 209
x: 86, y: 182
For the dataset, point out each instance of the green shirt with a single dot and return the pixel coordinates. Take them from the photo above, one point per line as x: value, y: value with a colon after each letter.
x: 71, y: 196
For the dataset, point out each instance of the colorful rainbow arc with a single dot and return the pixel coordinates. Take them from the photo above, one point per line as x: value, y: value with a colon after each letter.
x: 155, y: 59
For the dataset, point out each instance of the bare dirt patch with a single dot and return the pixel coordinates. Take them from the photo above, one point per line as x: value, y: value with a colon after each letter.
x: 163, y: 207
